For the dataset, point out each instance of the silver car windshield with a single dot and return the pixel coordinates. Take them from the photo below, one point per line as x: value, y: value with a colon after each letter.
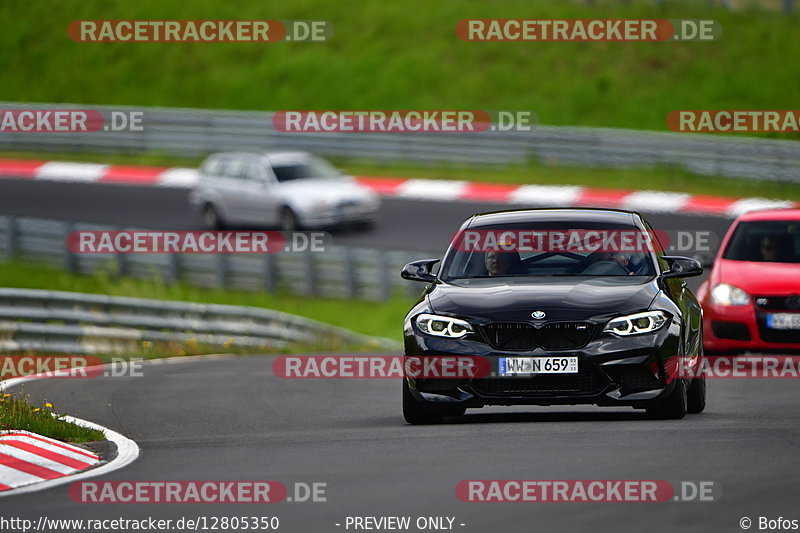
x: 311, y: 168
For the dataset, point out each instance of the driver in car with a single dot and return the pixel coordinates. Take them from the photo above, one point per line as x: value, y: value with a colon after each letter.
x: 501, y: 263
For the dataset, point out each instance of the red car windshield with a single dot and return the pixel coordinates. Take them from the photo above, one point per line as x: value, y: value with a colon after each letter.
x: 770, y: 241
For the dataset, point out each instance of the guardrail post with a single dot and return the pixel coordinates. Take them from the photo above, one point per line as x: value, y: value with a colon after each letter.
x: 384, y: 283
x: 12, y: 236
x: 175, y: 266
x: 223, y: 272
x: 311, y: 272
x: 351, y: 280
x: 270, y: 273
x: 70, y: 257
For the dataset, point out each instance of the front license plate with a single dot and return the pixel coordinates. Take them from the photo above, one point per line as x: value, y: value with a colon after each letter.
x: 510, y: 366
x: 783, y: 321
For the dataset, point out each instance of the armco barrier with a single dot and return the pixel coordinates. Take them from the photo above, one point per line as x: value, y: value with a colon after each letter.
x: 339, y: 272
x: 76, y: 323
x: 195, y: 132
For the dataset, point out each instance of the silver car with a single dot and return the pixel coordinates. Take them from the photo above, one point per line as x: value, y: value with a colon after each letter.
x: 288, y: 190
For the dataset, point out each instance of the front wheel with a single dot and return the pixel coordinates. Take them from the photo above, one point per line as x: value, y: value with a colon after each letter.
x: 288, y: 220
x: 696, y: 396
x: 672, y: 407
x: 211, y: 218
x: 417, y: 412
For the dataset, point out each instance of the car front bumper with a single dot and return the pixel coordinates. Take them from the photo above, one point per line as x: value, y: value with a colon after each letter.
x: 612, y: 371
x: 740, y: 328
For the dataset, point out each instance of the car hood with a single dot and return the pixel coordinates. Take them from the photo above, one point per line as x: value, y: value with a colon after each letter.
x: 758, y: 278
x: 561, y: 298
x: 342, y: 189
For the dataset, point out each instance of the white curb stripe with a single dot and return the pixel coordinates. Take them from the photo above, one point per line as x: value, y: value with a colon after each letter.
x: 654, y: 201
x: 546, y: 195
x: 178, y: 177
x: 441, y: 190
x: 15, y: 478
x: 754, y: 204
x: 79, y: 172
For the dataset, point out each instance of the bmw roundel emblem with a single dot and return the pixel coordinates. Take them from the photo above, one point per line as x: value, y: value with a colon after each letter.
x: 538, y: 315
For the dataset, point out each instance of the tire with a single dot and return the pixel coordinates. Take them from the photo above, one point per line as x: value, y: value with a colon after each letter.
x: 211, y: 218
x: 417, y: 413
x: 674, y: 406
x: 696, y: 396
x: 288, y: 220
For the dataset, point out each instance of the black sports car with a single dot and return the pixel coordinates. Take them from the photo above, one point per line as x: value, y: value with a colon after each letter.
x: 569, y: 306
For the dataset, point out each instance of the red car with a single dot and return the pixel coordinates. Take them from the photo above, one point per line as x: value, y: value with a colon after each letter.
x: 751, y: 300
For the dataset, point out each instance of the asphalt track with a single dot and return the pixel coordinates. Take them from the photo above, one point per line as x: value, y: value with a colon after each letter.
x: 230, y: 418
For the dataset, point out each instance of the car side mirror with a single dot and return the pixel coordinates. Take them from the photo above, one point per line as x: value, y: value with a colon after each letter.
x: 682, y: 267
x: 420, y: 270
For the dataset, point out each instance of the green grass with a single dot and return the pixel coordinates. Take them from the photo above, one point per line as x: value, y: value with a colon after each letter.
x: 18, y: 413
x: 371, y: 318
x: 656, y: 178
x: 402, y: 55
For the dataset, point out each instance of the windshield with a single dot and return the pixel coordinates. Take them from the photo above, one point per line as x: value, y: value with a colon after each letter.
x: 769, y: 241
x: 309, y: 168
x: 551, y: 249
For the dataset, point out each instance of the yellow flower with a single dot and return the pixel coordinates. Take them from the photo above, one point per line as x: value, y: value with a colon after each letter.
x: 35, y: 410
x: 48, y: 404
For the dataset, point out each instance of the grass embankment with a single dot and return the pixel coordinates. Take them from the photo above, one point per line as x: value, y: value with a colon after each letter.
x: 406, y: 55
x: 17, y: 412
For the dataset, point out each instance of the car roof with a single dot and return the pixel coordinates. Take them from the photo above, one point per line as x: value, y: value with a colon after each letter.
x: 577, y: 214
x: 772, y: 214
x: 277, y: 157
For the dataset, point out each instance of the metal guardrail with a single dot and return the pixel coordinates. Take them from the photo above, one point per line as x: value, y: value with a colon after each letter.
x: 339, y: 272
x: 195, y: 132
x: 68, y: 322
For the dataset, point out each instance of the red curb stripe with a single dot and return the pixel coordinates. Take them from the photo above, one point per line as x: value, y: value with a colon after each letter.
x: 19, y: 168
x: 4, y: 487
x: 709, y: 204
x: 29, y: 468
x: 132, y: 174
x: 488, y: 192
x: 386, y: 186
x: 602, y: 197
x: 47, y: 454
x: 58, y: 444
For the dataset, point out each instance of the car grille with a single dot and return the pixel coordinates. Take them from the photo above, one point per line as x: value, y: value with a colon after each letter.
x: 730, y: 330
x: 553, y: 336
x: 586, y: 381
x: 775, y: 303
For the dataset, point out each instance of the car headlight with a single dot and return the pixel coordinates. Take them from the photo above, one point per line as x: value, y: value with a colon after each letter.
x: 443, y: 326
x: 646, y: 322
x: 724, y: 294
